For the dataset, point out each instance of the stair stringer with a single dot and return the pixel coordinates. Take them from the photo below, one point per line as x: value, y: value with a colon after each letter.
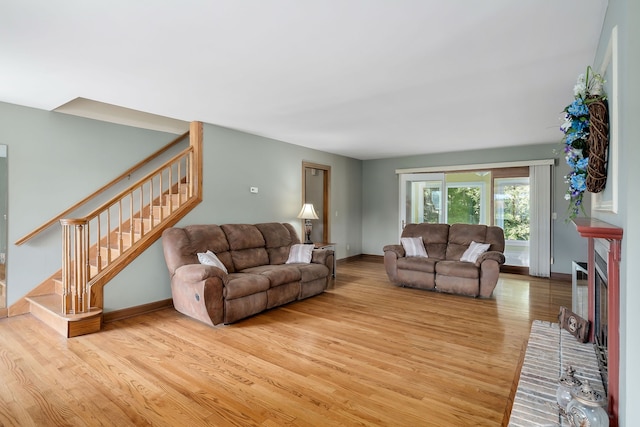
x: 98, y: 282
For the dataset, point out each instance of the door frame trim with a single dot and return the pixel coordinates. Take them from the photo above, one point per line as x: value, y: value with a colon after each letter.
x: 326, y: 187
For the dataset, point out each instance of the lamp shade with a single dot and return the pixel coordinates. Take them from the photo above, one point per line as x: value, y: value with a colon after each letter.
x: 308, y: 212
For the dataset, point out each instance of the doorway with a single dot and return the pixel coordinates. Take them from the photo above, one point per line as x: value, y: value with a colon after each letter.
x: 495, y: 196
x: 316, y: 180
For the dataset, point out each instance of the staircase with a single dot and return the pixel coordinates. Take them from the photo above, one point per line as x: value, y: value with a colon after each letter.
x: 96, y: 247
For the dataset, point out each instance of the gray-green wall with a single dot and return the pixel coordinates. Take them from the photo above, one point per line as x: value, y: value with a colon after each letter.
x: 55, y: 160
x: 625, y: 14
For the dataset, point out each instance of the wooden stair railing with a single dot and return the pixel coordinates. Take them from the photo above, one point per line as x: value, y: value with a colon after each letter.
x: 92, y: 244
x: 99, y: 245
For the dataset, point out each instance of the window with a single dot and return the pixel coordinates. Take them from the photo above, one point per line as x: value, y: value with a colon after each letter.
x: 498, y: 196
x: 421, y: 198
x: 464, y: 203
x: 511, y: 213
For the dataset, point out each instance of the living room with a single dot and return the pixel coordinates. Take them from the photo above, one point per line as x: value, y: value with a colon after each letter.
x: 52, y: 164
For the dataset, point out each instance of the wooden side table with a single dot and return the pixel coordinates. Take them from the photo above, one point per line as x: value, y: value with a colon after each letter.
x: 327, y: 245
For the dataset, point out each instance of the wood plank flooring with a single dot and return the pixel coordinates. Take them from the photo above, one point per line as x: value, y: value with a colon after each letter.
x: 364, y: 353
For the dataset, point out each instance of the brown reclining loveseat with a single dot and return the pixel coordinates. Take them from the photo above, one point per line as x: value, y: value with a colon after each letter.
x: 442, y: 269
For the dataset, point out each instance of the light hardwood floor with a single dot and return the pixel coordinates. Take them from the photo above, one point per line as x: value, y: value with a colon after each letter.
x: 364, y: 353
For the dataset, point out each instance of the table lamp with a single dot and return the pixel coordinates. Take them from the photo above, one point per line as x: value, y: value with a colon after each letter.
x: 307, y: 213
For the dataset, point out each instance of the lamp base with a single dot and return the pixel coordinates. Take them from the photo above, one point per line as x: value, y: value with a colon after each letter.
x: 307, y: 232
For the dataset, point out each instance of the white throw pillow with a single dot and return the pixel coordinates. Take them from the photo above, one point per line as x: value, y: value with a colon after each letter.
x: 300, y: 253
x: 474, y: 251
x: 209, y: 258
x: 413, y: 246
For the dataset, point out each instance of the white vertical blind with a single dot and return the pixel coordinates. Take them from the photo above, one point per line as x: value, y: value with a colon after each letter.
x: 540, y: 211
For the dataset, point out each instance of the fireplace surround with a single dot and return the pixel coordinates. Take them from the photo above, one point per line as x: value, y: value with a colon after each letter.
x: 603, y: 271
x: 601, y: 314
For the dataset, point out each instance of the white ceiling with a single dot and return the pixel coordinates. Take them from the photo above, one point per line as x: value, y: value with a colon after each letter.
x: 361, y: 78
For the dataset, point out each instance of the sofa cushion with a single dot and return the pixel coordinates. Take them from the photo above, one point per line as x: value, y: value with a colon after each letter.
x: 243, y: 236
x: 278, y: 255
x: 277, y: 274
x: 248, y: 258
x: 275, y: 234
x: 311, y: 272
x: 278, y: 238
x: 495, y: 236
x: 300, y: 253
x: 413, y: 247
x: 205, y: 237
x: 474, y: 250
x: 434, y: 236
x: 461, y: 236
x: 426, y: 265
x: 458, y: 269
x: 181, y: 245
x: 243, y: 284
x: 247, y: 245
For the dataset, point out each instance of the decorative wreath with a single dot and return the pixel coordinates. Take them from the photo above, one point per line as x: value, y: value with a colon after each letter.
x: 586, y: 140
x: 598, y: 145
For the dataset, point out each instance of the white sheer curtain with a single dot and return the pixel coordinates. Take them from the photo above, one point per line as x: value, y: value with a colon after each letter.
x: 540, y: 215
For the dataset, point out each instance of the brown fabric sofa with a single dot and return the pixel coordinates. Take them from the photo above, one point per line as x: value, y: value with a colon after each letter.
x: 258, y: 277
x: 442, y: 270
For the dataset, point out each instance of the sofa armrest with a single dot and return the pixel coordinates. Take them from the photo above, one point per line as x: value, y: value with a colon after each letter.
x: 324, y: 257
x: 197, y: 291
x: 193, y: 273
x: 397, y: 249
x: 490, y: 255
x: 320, y: 256
x: 489, y: 274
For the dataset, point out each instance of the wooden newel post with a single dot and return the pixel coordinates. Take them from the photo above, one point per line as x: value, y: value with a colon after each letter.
x: 75, y: 266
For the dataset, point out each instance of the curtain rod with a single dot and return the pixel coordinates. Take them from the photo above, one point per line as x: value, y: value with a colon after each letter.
x: 477, y: 166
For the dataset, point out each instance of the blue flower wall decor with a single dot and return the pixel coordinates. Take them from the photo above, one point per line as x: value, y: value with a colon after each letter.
x: 588, y: 89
